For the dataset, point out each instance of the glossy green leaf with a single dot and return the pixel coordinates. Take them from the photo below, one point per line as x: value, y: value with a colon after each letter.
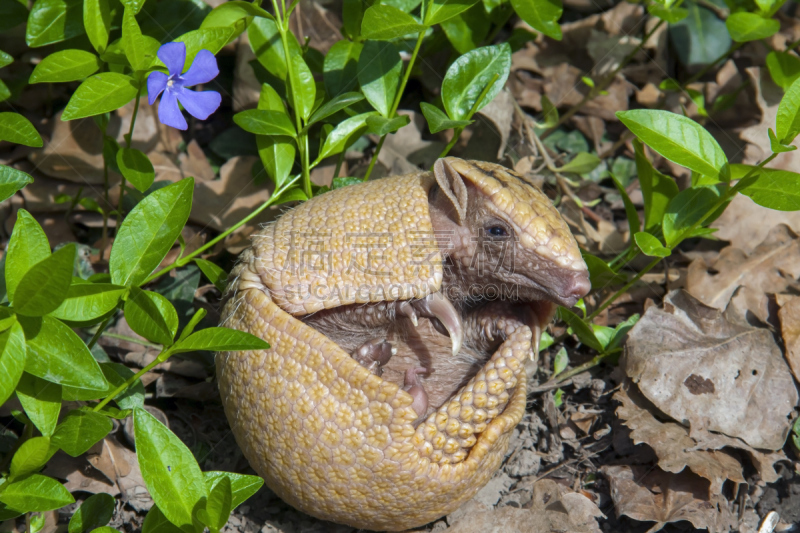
x: 634, y: 224
x: 670, y: 15
x: 335, y: 105
x: 12, y: 360
x: 621, y: 330
x: 344, y: 135
x: 303, y: 86
x: 265, y: 40
x: 380, y: 126
x: 580, y: 328
x: 211, y: 39
x: 657, y: 189
x: 379, y: 68
x: 169, y: 469
x: 689, y: 206
x: 5, y: 59
x: 30, y: 457
x: 229, y: 13
x: 66, y: 65
x: 53, y: 21
x: 745, y: 27
x: 263, y: 122
x: 88, y: 301
x: 218, y: 506
x: 776, y: 146
x: 700, y: 38
x: 561, y: 361
x: 467, y: 30
x: 340, y: 182
x: 679, y: 139
x: 80, y: 430
x: 117, y: 374
x: 135, y: 5
x: 441, y: 10
x: 133, y: 43
x: 156, y: 522
x: 600, y: 273
x: 242, y: 486
x: 100, y: 94
x: 41, y: 401
x: 340, y: 69
x: 541, y: 15
x: 35, y: 493
x: 582, y: 163
x: 58, y: 355
x: 276, y: 151
x: 12, y: 180
x: 214, y: 273
x: 384, y: 22
x: 775, y: 189
x: 28, y: 245
x: 95, y: 511
x: 650, y: 245
x: 149, y: 231
x: 152, y: 316
x: 42, y: 289
x: 438, y: 121
x: 787, y: 124
x: 17, y: 129
x: 220, y: 339
x: 97, y: 23
x: 136, y: 167
x: 470, y: 74
x: 784, y: 67
x: 12, y: 14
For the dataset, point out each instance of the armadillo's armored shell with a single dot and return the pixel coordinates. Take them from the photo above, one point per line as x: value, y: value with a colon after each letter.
x: 337, y: 442
x: 369, y: 242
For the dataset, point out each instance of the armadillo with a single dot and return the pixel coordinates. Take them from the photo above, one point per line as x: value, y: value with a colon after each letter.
x: 471, y: 250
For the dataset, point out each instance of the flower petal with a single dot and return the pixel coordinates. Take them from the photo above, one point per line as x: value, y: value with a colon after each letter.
x: 156, y: 82
x: 173, y: 55
x: 203, y: 69
x: 199, y: 105
x: 169, y: 113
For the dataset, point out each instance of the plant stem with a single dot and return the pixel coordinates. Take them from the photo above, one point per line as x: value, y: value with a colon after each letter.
x: 711, y: 65
x: 397, y: 98
x: 107, y: 206
x: 128, y: 140
x: 99, y: 332
x: 623, y: 290
x: 475, y: 107
x: 163, y: 356
x: 559, y: 379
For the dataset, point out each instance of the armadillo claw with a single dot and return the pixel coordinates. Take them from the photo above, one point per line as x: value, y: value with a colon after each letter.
x: 436, y: 305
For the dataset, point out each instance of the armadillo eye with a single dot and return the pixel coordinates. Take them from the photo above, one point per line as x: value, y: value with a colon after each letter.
x: 496, y: 231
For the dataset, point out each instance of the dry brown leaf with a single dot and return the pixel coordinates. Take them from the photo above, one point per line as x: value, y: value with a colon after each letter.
x: 79, y: 475
x: 790, y: 330
x: 246, y: 87
x: 406, y: 151
x: 652, y: 495
x: 194, y: 163
x: 605, y: 239
x: 771, y: 268
x: 745, y: 224
x: 712, y: 371
x: 120, y: 465
x: 500, y: 112
x: 670, y: 441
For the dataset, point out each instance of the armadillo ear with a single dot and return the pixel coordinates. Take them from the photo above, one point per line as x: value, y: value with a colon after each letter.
x: 452, y: 185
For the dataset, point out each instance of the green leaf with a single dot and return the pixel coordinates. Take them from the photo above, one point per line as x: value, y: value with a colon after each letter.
x: 441, y: 10
x: 469, y: 75
x: 31, y: 456
x: 745, y: 27
x: 776, y: 146
x: 582, y: 163
x: 344, y: 135
x: 303, y: 86
x: 135, y: 5
x: 88, y: 301
x: 80, y: 430
x: 53, y: 21
x: 438, y: 121
x: 12, y: 360
x: 17, y: 129
x: 156, y: 522
x: 379, y: 68
x: 335, y: 105
x: 338, y: 183
x: 383, y: 126
x: 542, y: 15
x: 650, y: 245
x: 600, y: 273
x: 169, y: 469
x: 340, y: 69
x: 117, y: 374
x: 276, y: 151
x: 242, y: 486
x: 218, y: 340
x: 100, y: 94
x: 28, y: 245
x: 467, y: 30
x: 11, y: 15
x: 550, y: 112
x: 561, y: 361
x: 787, y: 124
x: 133, y: 42
x: 136, y: 167
x: 96, y: 511
x: 630, y: 210
x: 214, y: 273
x: 58, y: 355
x: 66, y: 65
x: 657, y: 189
x: 42, y: 289
x: 35, y: 493
x: 700, y: 38
x: 580, y: 328
x: 152, y: 316
x: 689, y: 206
x: 784, y: 68
x: 5, y: 59
x: 263, y: 122
x: 218, y: 507
x: 679, y: 139
x: 383, y: 22
x: 670, y: 15
x: 621, y: 330
x: 97, y: 22
x: 149, y: 231
x: 211, y: 39
x: 775, y: 189
x: 12, y: 180
x: 41, y: 401
x: 265, y: 40
x: 230, y: 13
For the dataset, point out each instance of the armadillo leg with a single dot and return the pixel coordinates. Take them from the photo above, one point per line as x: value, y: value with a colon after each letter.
x: 374, y: 354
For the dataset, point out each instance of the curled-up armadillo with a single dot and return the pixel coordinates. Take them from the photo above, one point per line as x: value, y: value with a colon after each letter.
x: 399, y: 313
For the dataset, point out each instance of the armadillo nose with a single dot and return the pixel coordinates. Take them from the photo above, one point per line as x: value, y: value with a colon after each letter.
x: 577, y: 287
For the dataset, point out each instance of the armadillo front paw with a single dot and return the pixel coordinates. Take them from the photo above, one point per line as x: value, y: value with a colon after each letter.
x: 413, y: 386
x: 374, y: 354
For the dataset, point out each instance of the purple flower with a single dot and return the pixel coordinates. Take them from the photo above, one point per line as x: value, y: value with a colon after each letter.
x: 199, y: 105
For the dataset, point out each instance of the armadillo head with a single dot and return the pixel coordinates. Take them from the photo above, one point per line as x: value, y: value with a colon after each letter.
x: 502, y: 237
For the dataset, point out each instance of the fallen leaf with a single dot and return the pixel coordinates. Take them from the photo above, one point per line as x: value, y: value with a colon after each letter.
x: 500, y: 112
x: 771, y: 268
x: 789, y: 316
x: 745, y: 224
x: 194, y: 163
x: 406, y: 151
x: 712, y: 371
